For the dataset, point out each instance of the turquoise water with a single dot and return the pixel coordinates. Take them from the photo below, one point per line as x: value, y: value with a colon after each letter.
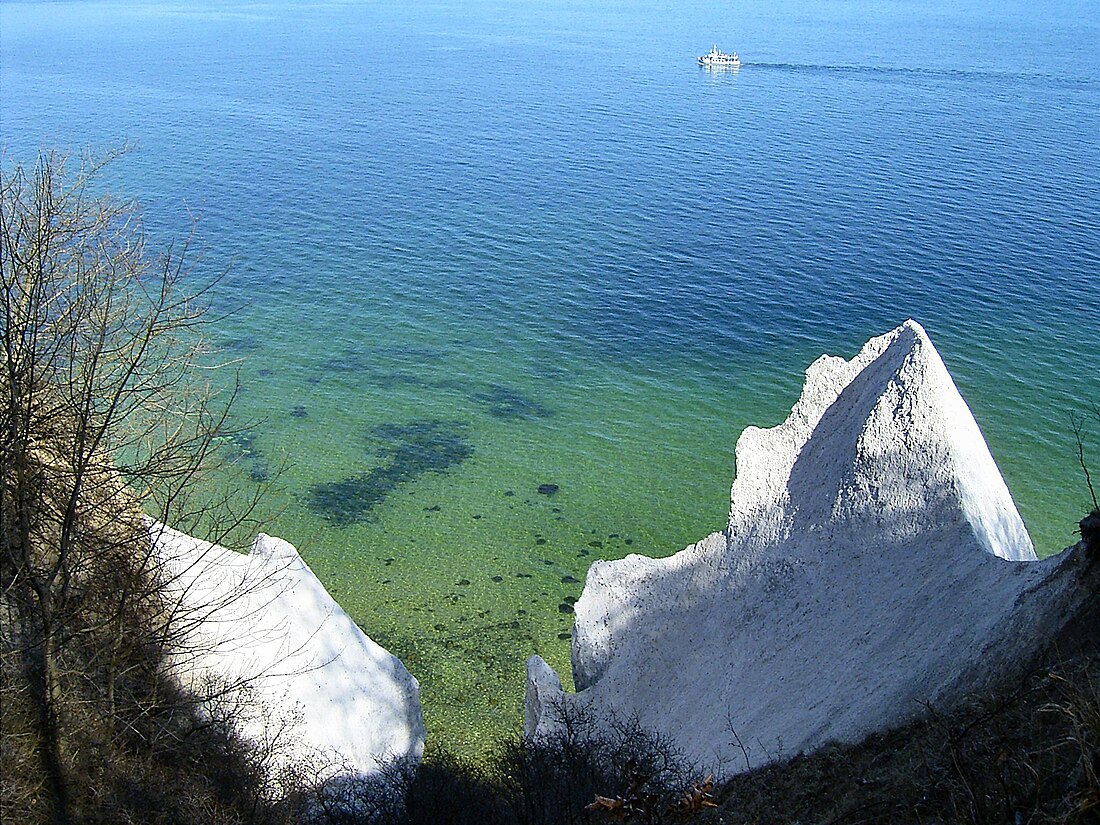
x: 481, y: 248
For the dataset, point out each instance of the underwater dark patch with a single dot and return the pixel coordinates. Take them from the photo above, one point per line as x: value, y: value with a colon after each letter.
x: 350, y: 360
x: 239, y: 448
x: 411, y: 353
x: 388, y: 367
x: 359, y: 365
x: 242, y: 343
x: 507, y: 402
x: 345, y: 502
x: 413, y: 449
x: 426, y: 446
x: 547, y: 371
x: 259, y: 472
x: 549, y: 490
x: 386, y: 380
x: 239, y: 445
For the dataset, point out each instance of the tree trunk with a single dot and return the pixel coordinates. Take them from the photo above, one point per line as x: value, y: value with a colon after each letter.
x: 46, y: 682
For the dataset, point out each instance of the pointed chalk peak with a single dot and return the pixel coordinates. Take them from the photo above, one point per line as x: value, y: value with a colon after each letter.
x: 271, y: 546
x: 884, y: 440
x: 276, y: 550
x: 868, y: 562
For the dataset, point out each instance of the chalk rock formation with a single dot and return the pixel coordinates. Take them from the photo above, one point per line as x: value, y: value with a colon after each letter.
x: 305, y: 677
x: 873, y: 557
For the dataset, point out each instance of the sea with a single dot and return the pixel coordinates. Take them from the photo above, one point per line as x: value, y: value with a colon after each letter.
x: 505, y: 279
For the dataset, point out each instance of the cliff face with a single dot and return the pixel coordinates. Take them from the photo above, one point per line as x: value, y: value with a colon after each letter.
x: 305, y: 679
x: 872, y: 559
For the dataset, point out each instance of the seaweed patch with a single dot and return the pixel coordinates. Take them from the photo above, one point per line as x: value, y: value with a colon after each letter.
x: 240, y: 343
x: 259, y: 471
x: 413, y: 449
x: 238, y: 445
x: 507, y: 402
x: 392, y: 379
x: 411, y: 353
x: 239, y: 448
x: 381, y: 360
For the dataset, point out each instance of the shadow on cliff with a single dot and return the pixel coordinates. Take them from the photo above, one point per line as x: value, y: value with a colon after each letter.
x: 1024, y: 749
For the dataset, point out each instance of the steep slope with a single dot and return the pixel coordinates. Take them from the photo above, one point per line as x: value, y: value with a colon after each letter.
x: 307, y: 679
x: 872, y: 557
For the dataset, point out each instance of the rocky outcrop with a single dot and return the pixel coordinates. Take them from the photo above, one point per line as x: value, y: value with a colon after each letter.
x: 260, y: 632
x: 873, y: 561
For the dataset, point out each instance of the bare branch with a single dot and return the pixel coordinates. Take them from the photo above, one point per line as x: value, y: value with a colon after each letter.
x: 1078, y: 429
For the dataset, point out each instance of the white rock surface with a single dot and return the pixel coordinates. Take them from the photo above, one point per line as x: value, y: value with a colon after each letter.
x: 873, y: 555
x: 332, y: 699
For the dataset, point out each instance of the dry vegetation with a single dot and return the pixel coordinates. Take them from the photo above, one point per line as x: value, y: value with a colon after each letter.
x: 101, y: 420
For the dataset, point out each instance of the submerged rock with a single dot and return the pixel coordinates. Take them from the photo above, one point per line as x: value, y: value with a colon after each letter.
x: 873, y: 560
x: 302, y: 677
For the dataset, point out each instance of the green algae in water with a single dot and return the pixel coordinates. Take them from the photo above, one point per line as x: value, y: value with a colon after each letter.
x: 428, y: 446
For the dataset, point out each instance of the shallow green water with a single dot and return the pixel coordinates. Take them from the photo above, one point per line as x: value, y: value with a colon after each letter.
x: 458, y: 272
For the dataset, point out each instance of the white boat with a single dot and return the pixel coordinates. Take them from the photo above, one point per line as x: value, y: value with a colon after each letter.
x: 717, y: 58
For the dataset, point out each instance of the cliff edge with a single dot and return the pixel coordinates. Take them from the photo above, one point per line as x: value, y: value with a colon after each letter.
x: 308, y: 685
x: 873, y: 561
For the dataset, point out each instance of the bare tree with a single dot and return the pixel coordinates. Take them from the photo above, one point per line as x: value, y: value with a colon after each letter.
x: 105, y: 418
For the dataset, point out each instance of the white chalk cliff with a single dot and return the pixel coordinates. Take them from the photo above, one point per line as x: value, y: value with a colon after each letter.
x: 305, y: 676
x: 873, y: 557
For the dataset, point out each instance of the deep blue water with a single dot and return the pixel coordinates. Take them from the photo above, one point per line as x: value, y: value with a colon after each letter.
x: 431, y: 207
